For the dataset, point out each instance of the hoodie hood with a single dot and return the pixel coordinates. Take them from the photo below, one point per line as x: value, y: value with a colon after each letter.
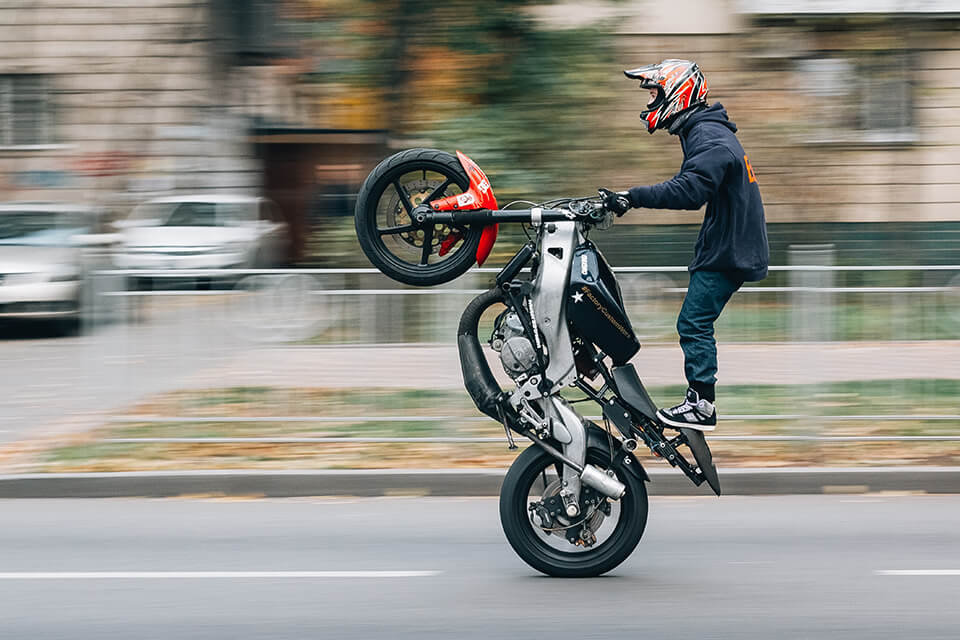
x: 714, y: 113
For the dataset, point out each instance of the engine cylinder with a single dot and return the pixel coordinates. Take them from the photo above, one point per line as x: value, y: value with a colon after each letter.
x: 517, y: 356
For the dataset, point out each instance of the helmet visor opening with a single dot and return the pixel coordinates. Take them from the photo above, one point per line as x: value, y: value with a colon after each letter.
x: 656, y: 94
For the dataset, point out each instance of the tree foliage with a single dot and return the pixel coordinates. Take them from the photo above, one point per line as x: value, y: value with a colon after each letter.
x: 482, y: 76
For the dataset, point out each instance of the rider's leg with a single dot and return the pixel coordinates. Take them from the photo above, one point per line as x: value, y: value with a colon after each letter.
x: 707, y: 294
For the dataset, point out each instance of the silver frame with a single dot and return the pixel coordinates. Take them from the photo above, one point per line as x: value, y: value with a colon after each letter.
x: 548, y: 298
x: 557, y: 241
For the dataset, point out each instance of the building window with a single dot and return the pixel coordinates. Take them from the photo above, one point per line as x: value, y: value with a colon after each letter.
x: 26, y: 110
x: 887, y: 101
x: 858, y: 98
x: 245, y: 30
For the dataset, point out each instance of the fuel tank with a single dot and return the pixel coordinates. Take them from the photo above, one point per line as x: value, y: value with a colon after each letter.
x: 595, y: 306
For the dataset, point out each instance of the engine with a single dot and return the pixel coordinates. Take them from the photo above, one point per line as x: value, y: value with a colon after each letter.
x: 517, y: 353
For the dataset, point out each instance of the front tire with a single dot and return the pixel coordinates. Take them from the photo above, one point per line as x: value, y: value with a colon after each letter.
x: 576, y: 562
x: 384, y: 227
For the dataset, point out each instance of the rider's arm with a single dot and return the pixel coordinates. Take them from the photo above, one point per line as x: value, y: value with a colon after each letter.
x: 698, y: 181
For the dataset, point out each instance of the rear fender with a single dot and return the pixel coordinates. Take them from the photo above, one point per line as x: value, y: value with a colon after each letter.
x: 598, y: 438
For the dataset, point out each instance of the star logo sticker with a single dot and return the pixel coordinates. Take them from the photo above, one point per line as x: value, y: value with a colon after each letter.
x: 577, y: 297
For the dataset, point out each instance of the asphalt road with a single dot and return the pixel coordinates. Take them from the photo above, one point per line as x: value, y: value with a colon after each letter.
x: 757, y: 567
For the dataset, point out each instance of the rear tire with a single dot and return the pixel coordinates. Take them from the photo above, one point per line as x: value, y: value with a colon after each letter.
x: 461, y: 255
x: 518, y: 528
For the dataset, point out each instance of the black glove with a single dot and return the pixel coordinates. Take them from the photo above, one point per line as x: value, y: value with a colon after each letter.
x: 617, y: 202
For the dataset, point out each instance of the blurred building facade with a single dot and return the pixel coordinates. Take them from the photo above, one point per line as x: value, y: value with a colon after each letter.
x: 849, y: 109
x: 116, y: 102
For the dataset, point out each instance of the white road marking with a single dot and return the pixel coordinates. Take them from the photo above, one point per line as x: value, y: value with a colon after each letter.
x: 918, y: 572
x: 192, y: 575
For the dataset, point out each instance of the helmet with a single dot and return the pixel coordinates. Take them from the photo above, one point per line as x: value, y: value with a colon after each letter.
x: 680, y: 86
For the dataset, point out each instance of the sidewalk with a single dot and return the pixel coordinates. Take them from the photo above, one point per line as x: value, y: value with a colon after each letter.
x: 438, y: 367
x: 459, y: 482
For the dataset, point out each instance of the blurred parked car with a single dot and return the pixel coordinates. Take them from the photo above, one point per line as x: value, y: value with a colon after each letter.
x: 47, y: 251
x: 203, y: 232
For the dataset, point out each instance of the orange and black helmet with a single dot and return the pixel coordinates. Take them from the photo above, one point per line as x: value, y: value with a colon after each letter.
x: 679, y: 84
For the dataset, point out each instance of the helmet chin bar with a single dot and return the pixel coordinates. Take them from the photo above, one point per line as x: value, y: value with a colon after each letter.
x: 645, y: 116
x: 653, y: 105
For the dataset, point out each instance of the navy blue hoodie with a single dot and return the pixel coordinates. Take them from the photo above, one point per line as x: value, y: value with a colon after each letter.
x: 716, y: 171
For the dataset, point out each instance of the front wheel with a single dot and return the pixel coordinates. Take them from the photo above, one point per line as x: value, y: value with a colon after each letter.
x: 412, y: 254
x: 598, y: 540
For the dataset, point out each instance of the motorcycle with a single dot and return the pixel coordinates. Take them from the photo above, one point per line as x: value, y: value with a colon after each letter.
x: 575, y: 503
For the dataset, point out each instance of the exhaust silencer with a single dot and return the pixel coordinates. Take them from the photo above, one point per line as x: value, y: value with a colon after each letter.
x: 607, y: 485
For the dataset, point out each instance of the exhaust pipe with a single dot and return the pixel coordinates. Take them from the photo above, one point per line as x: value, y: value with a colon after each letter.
x: 589, y: 474
x: 487, y: 394
x: 477, y: 377
x: 608, y: 485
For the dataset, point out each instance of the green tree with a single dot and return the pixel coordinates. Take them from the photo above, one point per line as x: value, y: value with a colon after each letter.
x: 481, y: 76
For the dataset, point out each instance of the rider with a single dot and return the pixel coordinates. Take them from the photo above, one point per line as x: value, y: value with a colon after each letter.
x: 732, y: 246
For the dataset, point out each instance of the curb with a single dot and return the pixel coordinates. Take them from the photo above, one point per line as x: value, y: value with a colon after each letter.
x: 458, y: 482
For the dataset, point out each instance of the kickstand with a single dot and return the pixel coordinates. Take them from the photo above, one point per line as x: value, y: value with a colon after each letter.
x: 511, y: 445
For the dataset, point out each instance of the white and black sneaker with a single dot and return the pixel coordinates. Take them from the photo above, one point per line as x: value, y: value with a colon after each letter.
x: 692, y: 413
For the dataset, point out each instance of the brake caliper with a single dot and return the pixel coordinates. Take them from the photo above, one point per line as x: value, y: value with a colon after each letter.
x: 452, y: 238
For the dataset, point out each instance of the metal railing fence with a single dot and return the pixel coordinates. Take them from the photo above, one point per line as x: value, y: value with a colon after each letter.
x: 360, y: 306
x: 182, y: 330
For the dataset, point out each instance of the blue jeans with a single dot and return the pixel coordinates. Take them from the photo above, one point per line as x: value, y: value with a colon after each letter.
x: 707, y: 294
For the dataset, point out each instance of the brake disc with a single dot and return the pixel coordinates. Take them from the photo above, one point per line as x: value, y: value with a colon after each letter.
x: 579, y: 532
x: 417, y: 190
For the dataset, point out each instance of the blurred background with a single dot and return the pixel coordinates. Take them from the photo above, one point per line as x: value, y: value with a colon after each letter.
x: 181, y: 286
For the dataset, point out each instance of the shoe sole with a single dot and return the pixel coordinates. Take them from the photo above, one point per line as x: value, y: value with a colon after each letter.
x: 684, y: 425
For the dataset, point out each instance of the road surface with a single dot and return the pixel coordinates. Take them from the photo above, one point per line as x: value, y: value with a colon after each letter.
x: 750, y: 567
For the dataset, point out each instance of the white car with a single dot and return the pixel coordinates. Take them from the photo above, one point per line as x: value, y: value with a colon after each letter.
x: 202, y: 232
x: 45, y: 255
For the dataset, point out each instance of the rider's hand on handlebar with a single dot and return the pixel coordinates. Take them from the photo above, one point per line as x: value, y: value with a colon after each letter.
x: 617, y: 202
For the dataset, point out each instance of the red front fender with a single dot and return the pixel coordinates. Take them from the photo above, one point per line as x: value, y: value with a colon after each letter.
x: 479, y: 195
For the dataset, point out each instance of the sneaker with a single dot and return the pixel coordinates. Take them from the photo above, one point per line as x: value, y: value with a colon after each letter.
x: 692, y: 413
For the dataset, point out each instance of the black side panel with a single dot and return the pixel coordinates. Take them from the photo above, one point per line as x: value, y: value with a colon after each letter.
x: 607, y: 277
x: 632, y: 392
x: 594, y: 306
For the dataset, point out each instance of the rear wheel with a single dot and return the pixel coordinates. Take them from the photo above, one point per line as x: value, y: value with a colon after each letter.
x: 423, y: 256
x: 599, y: 539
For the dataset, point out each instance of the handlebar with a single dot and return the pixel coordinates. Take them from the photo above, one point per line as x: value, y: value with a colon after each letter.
x: 584, y: 210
